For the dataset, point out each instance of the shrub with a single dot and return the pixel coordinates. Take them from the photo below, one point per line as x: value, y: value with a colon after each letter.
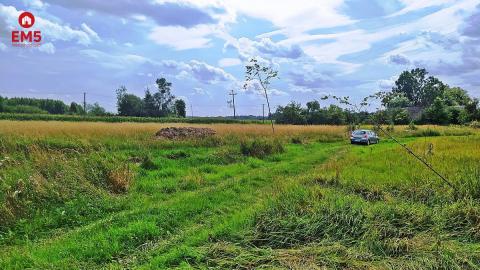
x: 260, y: 148
x: 147, y: 163
x: 412, y: 126
x: 119, y: 179
x: 428, y: 133
x: 475, y: 124
x: 296, y: 140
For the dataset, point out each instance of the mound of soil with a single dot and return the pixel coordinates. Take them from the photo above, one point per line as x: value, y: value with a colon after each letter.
x: 174, y: 133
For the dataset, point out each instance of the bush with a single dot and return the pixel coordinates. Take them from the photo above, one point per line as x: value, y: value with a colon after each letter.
x: 412, y: 126
x: 120, y: 179
x: 475, y: 124
x: 147, y: 163
x: 296, y: 140
x: 260, y: 148
x: 426, y: 133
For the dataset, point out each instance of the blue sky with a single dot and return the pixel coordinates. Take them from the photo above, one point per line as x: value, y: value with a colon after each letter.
x: 342, y: 47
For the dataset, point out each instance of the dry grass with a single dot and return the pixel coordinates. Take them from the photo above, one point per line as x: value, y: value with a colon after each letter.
x: 41, y: 129
x: 129, y: 130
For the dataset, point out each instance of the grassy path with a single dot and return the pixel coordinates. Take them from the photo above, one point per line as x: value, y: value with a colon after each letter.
x: 159, y: 231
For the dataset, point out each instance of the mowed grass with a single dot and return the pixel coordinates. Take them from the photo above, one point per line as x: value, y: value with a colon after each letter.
x: 112, y: 196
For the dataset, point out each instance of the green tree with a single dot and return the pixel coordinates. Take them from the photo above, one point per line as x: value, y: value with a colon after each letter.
x: 128, y: 104
x: 163, y: 98
x: 96, y: 110
x: 313, y: 106
x: 335, y: 115
x: 437, y: 113
x: 456, y: 96
x: 419, y: 89
x: 472, y: 110
x: 149, y: 105
x: 290, y: 114
x: 75, y: 108
x: 2, y: 104
x: 180, y: 108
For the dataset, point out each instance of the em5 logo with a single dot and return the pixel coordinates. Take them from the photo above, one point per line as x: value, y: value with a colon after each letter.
x: 26, y: 38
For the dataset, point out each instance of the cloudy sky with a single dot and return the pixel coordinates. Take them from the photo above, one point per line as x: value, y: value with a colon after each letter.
x: 350, y: 47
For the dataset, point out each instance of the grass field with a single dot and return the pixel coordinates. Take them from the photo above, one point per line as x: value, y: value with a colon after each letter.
x: 84, y: 195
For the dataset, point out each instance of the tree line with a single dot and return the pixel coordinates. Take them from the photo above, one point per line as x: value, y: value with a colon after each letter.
x: 160, y: 103
x: 415, y: 98
x: 48, y: 106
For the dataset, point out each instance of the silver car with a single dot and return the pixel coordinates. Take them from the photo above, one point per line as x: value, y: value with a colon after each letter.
x: 364, y: 136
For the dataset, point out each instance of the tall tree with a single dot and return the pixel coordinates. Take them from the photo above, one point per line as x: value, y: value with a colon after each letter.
x: 419, y: 89
x: 149, y: 104
x: 180, y: 109
x: 163, y: 98
x: 263, y: 75
x: 128, y: 104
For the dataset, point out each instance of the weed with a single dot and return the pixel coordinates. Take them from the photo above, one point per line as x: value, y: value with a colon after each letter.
x: 260, y: 148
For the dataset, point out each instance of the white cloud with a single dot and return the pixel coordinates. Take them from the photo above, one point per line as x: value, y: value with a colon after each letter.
x: 47, y: 48
x: 294, y: 17
x: 90, y: 31
x: 229, y: 62
x: 34, y: 4
x: 181, y: 38
x: 3, y: 47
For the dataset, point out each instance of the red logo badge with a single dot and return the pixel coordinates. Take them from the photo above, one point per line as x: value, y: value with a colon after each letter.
x: 26, y: 19
x: 27, y: 38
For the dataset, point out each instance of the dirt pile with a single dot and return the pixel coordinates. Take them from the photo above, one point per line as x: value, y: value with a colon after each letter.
x: 174, y: 133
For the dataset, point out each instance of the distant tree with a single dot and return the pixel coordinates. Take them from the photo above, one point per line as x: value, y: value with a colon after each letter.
x: 96, y: 110
x: 180, y: 109
x: 128, y: 104
x: 419, y: 89
x: 149, y: 105
x: 335, y: 115
x: 472, y: 110
x: 313, y: 106
x: 456, y: 96
x: 2, y: 104
x: 437, y: 113
x: 75, y: 108
x: 163, y: 98
x: 263, y: 75
x: 290, y: 114
x: 396, y: 100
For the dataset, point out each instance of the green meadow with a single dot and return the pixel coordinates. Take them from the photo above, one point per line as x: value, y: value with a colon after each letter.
x: 112, y: 196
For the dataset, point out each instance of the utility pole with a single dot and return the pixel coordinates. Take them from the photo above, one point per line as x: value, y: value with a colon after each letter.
x: 233, y: 94
x: 263, y: 113
x: 191, y: 110
x: 84, y: 102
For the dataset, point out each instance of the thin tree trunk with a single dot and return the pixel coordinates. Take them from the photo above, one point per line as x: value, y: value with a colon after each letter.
x: 268, y: 102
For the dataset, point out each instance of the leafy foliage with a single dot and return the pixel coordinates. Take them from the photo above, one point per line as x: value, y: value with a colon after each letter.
x: 158, y: 104
x: 180, y: 110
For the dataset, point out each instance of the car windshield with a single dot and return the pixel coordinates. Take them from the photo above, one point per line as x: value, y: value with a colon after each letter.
x: 359, y: 132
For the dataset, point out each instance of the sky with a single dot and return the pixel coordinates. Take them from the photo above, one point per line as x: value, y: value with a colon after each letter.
x: 342, y: 47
